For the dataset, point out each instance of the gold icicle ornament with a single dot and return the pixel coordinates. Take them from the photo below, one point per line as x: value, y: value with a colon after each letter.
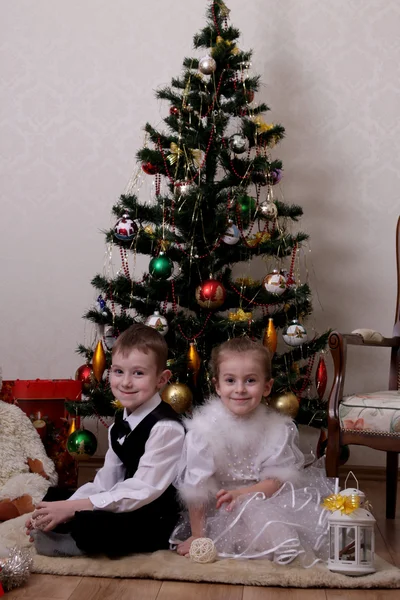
x: 270, y: 339
x: 72, y: 426
x: 99, y: 361
x: 193, y: 362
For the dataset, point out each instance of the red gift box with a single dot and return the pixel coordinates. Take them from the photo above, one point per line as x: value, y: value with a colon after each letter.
x: 43, y: 400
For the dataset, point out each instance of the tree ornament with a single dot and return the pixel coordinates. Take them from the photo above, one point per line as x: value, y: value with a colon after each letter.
x: 286, y: 403
x: 174, y: 110
x: 275, y: 283
x: 182, y: 188
x: 238, y: 143
x: 270, y: 339
x: 157, y: 322
x: 99, y: 361
x: 193, y: 362
x: 82, y: 444
x: 85, y: 375
x: 249, y: 95
x: 294, y: 334
x: 202, y: 550
x: 179, y: 396
x: 321, y: 377
x: 210, y: 294
x: 125, y: 229
x: 161, y: 267
x: 290, y: 281
x: 275, y: 176
x: 149, y: 168
x: 72, y: 426
x: 232, y: 234
x: 110, y: 337
x: 246, y: 203
x: 207, y: 65
x: 269, y: 210
x: 240, y: 315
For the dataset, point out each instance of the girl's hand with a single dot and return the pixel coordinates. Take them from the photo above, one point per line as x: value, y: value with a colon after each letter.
x: 227, y: 497
x: 29, y: 527
x: 184, y: 547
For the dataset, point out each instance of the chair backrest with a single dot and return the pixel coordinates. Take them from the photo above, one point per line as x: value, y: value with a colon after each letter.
x: 394, y: 374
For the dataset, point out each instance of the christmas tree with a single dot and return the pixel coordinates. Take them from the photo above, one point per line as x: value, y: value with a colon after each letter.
x: 217, y: 205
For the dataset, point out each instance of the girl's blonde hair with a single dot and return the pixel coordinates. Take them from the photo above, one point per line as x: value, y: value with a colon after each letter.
x: 241, y: 345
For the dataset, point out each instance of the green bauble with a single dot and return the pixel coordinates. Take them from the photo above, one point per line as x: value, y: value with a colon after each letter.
x: 161, y: 267
x: 81, y: 444
x: 247, y: 204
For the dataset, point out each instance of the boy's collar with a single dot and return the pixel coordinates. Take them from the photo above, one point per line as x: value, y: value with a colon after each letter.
x: 144, y: 409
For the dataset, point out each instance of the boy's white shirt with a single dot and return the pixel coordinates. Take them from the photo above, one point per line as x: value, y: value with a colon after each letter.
x: 157, y: 467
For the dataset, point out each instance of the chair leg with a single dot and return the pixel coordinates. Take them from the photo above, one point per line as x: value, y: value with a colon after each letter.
x: 391, y: 483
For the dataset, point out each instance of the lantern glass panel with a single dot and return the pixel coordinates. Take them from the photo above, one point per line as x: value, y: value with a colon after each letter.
x: 365, y: 544
x: 347, y: 550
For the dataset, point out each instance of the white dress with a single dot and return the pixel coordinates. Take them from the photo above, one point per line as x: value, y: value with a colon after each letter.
x: 224, y: 451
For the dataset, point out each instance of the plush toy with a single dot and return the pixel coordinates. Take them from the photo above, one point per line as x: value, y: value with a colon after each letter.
x: 26, y: 472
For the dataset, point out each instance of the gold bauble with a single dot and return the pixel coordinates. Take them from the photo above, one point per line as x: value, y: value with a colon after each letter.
x: 286, y: 403
x: 179, y: 396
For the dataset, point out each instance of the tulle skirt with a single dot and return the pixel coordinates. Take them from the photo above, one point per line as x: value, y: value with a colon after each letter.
x: 289, y: 524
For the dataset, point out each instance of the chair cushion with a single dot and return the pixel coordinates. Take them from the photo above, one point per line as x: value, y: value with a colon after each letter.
x: 378, y: 413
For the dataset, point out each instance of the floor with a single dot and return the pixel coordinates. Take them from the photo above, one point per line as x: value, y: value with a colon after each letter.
x: 50, y: 587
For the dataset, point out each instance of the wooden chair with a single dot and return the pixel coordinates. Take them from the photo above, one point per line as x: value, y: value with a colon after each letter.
x: 371, y: 420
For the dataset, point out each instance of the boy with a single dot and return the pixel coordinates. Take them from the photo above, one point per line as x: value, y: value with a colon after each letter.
x: 131, y: 505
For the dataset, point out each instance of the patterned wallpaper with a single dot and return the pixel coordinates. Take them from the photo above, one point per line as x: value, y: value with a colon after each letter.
x: 77, y: 81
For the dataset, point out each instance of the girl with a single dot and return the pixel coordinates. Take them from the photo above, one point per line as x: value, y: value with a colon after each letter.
x: 242, y: 477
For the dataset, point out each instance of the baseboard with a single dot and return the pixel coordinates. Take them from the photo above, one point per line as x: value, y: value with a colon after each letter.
x: 363, y: 473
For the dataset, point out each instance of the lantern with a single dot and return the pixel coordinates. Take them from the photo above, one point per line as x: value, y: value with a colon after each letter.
x: 351, y: 533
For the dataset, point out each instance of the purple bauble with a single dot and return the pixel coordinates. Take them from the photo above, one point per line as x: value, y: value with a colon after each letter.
x: 276, y: 176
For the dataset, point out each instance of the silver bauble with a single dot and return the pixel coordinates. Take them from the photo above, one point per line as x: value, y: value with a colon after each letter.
x: 232, y: 235
x: 238, y: 143
x: 269, y: 210
x: 294, y: 334
x: 207, y: 65
x: 182, y: 188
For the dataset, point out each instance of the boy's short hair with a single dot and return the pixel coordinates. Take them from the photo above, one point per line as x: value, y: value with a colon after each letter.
x: 241, y: 345
x: 144, y: 338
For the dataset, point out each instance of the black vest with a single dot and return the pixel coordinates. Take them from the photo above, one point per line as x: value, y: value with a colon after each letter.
x: 132, y: 450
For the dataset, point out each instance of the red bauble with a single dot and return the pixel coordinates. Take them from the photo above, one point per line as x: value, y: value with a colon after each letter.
x: 149, y: 168
x: 249, y: 96
x: 321, y: 378
x: 174, y: 111
x: 85, y: 375
x: 210, y: 294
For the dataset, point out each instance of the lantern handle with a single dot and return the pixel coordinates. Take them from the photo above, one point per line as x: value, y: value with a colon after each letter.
x: 348, y: 475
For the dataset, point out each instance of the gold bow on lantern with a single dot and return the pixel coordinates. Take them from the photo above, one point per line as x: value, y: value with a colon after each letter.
x: 176, y: 152
x: 346, y: 504
x: 240, y: 315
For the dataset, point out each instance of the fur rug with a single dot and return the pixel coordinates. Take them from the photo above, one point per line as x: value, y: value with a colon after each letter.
x: 167, y: 565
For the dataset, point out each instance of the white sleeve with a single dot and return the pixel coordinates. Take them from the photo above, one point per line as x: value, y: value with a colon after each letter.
x: 157, y: 469
x: 284, y: 460
x: 196, y: 481
x: 107, y: 477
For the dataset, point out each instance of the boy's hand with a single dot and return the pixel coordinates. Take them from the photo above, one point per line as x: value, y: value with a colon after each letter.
x: 228, y: 497
x: 29, y: 527
x: 184, y: 547
x: 48, y: 515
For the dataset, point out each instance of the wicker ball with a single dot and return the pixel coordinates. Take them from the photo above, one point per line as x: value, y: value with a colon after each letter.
x: 203, y: 551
